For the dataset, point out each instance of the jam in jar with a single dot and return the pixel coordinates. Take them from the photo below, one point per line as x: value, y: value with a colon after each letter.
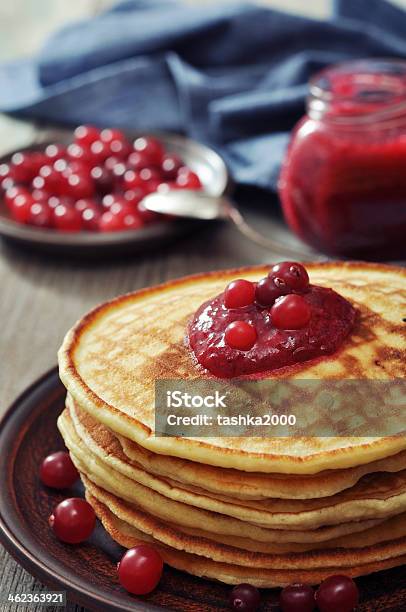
x: 343, y: 181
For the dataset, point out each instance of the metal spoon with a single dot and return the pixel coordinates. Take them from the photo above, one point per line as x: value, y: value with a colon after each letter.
x: 200, y: 205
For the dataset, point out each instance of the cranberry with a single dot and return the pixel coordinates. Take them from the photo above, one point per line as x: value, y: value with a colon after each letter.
x: 25, y: 166
x: 109, y: 199
x: 110, y: 222
x: 103, y: 179
x: 290, y: 312
x: 55, y: 152
x: 134, y: 196
x: 20, y: 207
x: 12, y: 193
x: 170, y: 166
x: 119, y: 148
x: 111, y: 162
x: 54, y: 201
x: 85, y: 203
x: 40, y: 215
x: 57, y: 471
x: 140, y: 569
x: 73, y: 520
x: 119, y: 171
x: 239, y: 293
x: 187, y: 179
x: 109, y: 135
x: 77, y: 167
x: 79, y: 186
x: 297, y: 598
x: 137, y: 160
x: 151, y: 150
x: 293, y: 274
x: 240, y: 335
x: 245, y: 598
x: 76, y: 152
x: 39, y: 195
x: 6, y: 183
x: 91, y: 219
x: 337, y: 594
x: 100, y: 151
x: 62, y: 166
x: 67, y: 219
x: 85, y: 135
x: 54, y: 181
x: 132, y: 180
x: 266, y: 292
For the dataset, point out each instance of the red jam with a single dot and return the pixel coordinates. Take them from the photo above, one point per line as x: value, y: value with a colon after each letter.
x: 343, y: 181
x: 331, y: 320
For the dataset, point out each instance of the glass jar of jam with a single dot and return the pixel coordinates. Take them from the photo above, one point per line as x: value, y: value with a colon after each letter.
x: 343, y: 181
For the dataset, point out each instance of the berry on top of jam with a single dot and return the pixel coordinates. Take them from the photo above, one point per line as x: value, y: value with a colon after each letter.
x: 279, y: 321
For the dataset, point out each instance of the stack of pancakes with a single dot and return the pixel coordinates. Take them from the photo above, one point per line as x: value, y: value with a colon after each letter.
x: 268, y: 511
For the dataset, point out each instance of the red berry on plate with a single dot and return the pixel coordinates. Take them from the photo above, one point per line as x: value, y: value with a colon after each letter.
x: 134, y: 196
x: 170, y: 166
x: 240, y: 335
x: 20, y: 207
x: 73, y: 520
x: 239, y: 293
x: 54, y: 152
x: 85, y: 203
x: 293, y: 274
x: 187, y: 179
x: 245, y: 598
x: 112, y: 161
x: 110, y: 223
x: 266, y: 292
x: 120, y: 148
x: 151, y: 150
x: 119, y: 171
x: 138, y: 161
x: 12, y: 193
x: 54, y: 181
x: 140, y: 569
x: 109, y: 134
x: 39, y: 195
x: 67, y: 219
x: 86, y: 134
x: 290, y: 312
x: 79, y: 186
x: 103, y: 179
x: 297, y: 598
x: 100, y: 151
x: 91, y: 219
x: 57, y: 471
x: 26, y: 165
x: 337, y: 594
x: 40, y: 215
x: 76, y: 152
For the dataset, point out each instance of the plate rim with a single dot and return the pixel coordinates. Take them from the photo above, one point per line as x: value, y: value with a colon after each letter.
x: 12, y: 541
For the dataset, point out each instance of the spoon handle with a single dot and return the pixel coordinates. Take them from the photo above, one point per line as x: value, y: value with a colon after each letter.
x: 267, y: 243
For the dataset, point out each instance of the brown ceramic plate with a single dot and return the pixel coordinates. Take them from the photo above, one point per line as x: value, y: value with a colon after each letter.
x: 87, y: 571
x: 204, y: 161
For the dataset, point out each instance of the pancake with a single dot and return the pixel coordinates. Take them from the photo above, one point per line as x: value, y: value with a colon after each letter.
x: 380, y: 496
x: 129, y: 536
x: 230, y: 482
x: 111, y: 359
x: 222, y: 553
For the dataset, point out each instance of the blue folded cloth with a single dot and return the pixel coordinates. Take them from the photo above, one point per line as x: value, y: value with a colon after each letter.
x: 230, y: 75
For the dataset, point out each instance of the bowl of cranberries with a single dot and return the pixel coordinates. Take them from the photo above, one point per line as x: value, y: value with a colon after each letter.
x: 84, y: 191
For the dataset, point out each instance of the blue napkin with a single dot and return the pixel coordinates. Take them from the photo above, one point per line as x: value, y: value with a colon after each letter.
x: 231, y: 75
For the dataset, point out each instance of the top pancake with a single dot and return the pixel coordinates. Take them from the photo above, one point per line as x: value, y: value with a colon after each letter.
x: 110, y: 360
